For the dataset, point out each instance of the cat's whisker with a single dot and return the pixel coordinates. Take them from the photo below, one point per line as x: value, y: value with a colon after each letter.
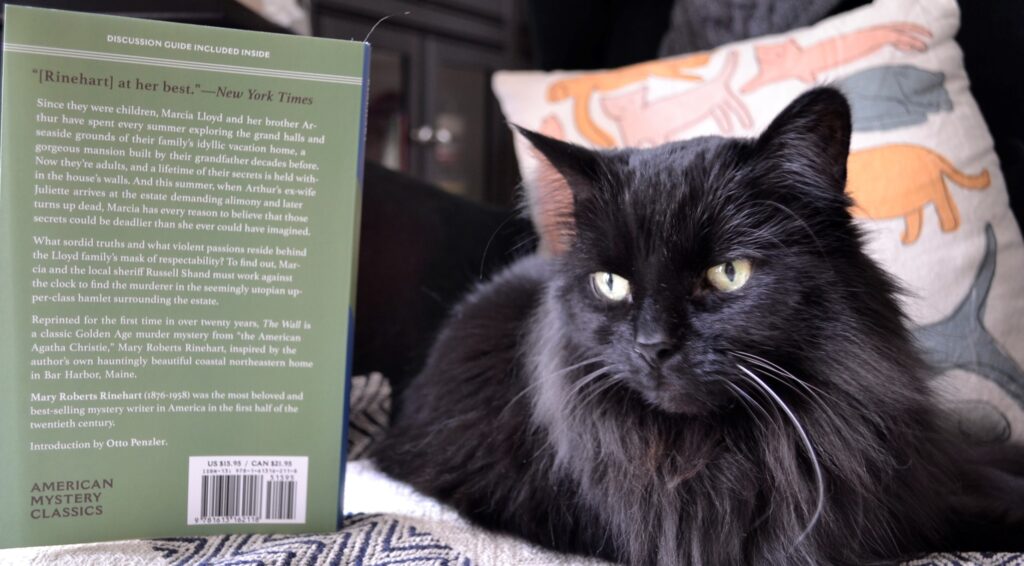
x: 527, y: 389
x: 574, y: 404
x: 536, y: 383
x: 771, y: 412
x: 752, y: 403
x: 526, y: 240
x: 811, y: 454
x: 585, y: 381
x: 595, y: 393
x: 578, y: 401
x: 487, y: 246
x: 613, y: 380
x: 563, y: 371
x: 780, y: 371
x: 810, y: 392
x: 789, y: 379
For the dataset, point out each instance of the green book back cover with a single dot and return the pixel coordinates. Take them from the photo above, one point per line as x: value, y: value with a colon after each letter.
x: 179, y: 211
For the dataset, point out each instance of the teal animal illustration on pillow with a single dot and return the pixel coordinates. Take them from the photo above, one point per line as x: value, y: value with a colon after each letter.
x: 961, y: 341
x: 981, y: 422
x: 894, y: 96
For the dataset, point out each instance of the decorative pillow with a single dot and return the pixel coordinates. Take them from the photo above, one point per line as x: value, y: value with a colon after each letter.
x: 922, y: 171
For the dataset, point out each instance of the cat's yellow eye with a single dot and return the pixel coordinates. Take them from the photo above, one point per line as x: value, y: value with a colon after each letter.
x: 610, y: 286
x: 729, y: 276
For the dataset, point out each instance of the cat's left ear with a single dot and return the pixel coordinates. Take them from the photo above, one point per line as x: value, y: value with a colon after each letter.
x: 565, y: 174
x: 808, y: 143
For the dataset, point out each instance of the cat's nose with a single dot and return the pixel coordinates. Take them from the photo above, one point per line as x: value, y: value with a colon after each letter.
x: 653, y: 347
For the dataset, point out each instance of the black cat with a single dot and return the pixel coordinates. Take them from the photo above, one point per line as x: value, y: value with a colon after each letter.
x: 710, y: 372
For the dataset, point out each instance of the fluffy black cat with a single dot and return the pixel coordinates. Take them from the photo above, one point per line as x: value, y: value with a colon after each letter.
x: 708, y: 370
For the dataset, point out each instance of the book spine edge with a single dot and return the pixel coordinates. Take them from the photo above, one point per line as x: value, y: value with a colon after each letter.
x: 356, y: 226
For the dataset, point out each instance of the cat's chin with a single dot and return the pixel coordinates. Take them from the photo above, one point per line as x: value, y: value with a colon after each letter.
x: 679, y: 403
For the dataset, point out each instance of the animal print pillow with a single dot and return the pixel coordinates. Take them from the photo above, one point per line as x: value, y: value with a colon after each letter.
x: 922, y: 170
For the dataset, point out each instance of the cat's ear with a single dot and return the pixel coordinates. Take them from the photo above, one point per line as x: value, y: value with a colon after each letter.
x: 809, y: 141
x: 564, y: 175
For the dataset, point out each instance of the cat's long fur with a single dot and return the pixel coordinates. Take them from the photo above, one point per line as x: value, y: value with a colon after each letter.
x: 534, y: 414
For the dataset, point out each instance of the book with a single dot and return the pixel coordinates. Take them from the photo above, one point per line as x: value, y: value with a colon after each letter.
x: 179, y: 216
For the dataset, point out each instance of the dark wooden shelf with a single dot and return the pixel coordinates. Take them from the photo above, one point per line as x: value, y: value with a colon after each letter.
x: 432, y: 114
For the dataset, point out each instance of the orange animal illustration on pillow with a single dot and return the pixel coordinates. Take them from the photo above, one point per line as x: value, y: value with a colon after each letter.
x: 580, y: 89
x: 788, y: 60
x: 644, y: 123
x: 894, y: 181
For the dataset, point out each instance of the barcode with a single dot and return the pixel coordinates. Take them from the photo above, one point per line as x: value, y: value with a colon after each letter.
x: 280, y: 500
x: 231, y: 496
x: 247, y: 489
